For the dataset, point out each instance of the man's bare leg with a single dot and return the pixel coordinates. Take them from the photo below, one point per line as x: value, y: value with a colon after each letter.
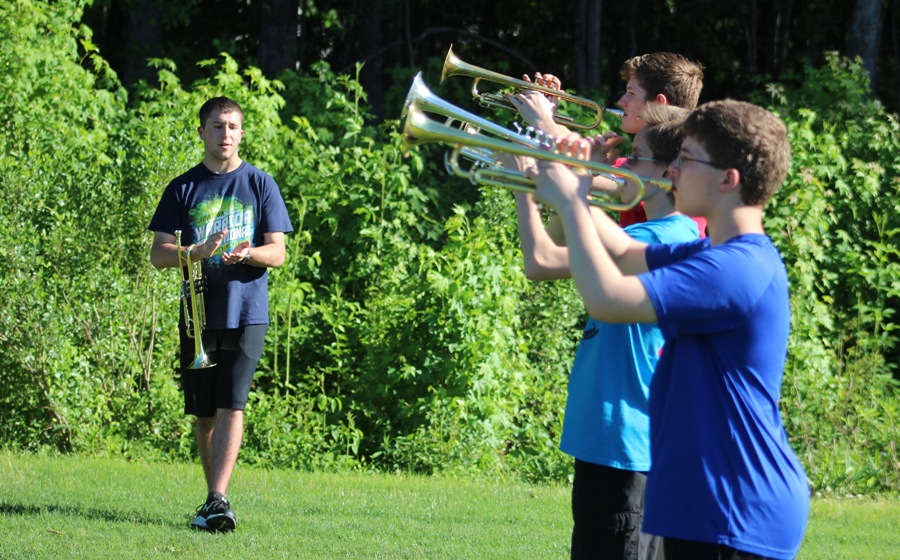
x: 219, y: 441
x: 226, y: 443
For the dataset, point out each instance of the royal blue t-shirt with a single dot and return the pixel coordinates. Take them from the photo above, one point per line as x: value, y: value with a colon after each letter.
x: 606, y: 420
x: 723, y: 470
x: 248, y: 202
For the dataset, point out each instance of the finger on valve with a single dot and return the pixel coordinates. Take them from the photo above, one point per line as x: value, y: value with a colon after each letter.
x: 574, y: 145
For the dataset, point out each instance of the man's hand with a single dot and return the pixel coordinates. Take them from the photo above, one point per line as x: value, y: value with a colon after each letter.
x: 558, y: 184
x: 237, y: 255
x: 207, y: 248
x: 538, y: 109
x: 604, y: 147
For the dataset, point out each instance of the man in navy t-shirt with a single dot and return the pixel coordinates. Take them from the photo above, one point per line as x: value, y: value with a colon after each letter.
x: 724, y: 481
x: 231, y: 220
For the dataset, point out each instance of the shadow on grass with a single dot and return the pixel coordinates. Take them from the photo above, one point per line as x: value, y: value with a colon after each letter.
x: 111, y: 516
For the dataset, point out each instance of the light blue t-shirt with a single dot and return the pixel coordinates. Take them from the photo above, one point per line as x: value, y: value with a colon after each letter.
x: 606, y: 420
x: 723, y: 470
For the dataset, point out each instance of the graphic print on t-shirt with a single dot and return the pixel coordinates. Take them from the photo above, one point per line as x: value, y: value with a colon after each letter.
x: 218, y: 213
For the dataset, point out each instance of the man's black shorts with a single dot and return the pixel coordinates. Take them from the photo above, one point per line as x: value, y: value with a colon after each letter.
x: 236, y: 353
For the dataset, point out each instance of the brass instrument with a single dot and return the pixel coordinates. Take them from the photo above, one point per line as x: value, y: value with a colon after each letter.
x: 471, y: 142
x: 453, y: 66
x: 192, y: 289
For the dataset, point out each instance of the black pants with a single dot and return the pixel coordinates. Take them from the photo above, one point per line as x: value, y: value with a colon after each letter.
x: 607, y: 508
x: 676, y: 549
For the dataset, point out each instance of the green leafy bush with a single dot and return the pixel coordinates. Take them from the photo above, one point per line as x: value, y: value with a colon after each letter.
x: 403, y: 333
x: 837, y: 223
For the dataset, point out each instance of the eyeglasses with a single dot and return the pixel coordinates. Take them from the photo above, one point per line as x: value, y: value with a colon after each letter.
x: 634, y: 159
x: 679, y: 161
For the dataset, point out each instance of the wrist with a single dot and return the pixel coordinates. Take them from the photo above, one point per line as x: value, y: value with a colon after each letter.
x: 246, y: 258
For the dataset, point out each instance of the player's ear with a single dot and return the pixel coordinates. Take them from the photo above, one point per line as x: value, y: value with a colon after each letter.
x: 731, y: 181
x: 661, y: 99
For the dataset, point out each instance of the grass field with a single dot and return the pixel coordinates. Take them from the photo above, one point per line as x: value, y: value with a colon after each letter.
x: 80, y: 507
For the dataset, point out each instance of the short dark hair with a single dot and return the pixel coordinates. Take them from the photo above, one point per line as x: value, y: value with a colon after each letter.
x: 673, y: 75
x: 749, y: 138
x: 665, y: 132
x: 221, y: 104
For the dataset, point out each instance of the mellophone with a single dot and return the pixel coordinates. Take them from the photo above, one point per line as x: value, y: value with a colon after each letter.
x: 478, y: 140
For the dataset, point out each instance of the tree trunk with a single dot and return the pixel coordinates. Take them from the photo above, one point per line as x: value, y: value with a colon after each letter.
x: 278, y: 36
x: 595, y: 10
x: 144, y: 40
x: 587, y: 45
x: 784, y: 36
x: 864, y: 39
x: 751, y: 30
x: 895, y: 17
x: 370, y: 42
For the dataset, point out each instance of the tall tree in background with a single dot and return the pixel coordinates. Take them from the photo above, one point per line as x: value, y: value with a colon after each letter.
x: 278, y: 23
x: 864, y: 38
x: 371, y: 76
x: 587, y: 44
x: 145, y: 39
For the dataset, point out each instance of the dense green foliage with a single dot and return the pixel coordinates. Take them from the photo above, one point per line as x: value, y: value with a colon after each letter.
x: 404, y: 335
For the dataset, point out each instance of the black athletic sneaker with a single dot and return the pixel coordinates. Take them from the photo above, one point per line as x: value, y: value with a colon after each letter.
x: 215, y: 514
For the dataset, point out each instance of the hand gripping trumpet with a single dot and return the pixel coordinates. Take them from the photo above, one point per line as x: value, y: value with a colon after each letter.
x: 472, y: 142
x: 453, y: 66
x: 193, y: 285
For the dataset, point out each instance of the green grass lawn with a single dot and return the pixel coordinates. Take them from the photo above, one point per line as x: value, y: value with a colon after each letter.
x: 80, y: 507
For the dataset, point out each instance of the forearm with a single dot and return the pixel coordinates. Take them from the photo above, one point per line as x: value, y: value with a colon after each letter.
x: 543, y: 258
x: 164, y: 255
x: 607, y: 293
x: 270, y: 255
x: 626, y: 252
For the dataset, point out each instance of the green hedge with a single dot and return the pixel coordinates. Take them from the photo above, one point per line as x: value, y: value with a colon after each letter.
x: 404, y: 335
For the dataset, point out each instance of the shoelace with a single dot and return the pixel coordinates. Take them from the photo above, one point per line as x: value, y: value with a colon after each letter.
x: 218, y: 502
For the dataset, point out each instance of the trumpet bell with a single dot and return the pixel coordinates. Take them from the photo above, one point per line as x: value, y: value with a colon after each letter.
x: 454, y: 66
x: 201, y: 361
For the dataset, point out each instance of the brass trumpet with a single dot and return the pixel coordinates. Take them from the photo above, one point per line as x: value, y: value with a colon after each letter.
x: 453, y: 66
x: 192, y: 289
x: 471, y: 142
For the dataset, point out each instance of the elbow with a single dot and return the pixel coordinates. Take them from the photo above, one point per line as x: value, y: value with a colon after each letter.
x: 609, y: 312
x: 602, y: 313
x: 537, y: 271
x: 532, y: 271
x: 277, y: 261
x: 155, y: 261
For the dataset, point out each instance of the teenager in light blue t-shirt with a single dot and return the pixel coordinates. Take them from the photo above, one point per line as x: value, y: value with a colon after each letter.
x: 606, y: 426
x: 724, y: 481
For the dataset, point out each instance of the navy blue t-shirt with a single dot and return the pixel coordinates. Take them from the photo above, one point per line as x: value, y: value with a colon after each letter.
x: 248, y: 202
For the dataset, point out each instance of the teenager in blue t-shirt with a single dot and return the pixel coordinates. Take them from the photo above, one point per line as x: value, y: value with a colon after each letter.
x: 724, y: 481
x: 232, y: 217
x: 606, y: 425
